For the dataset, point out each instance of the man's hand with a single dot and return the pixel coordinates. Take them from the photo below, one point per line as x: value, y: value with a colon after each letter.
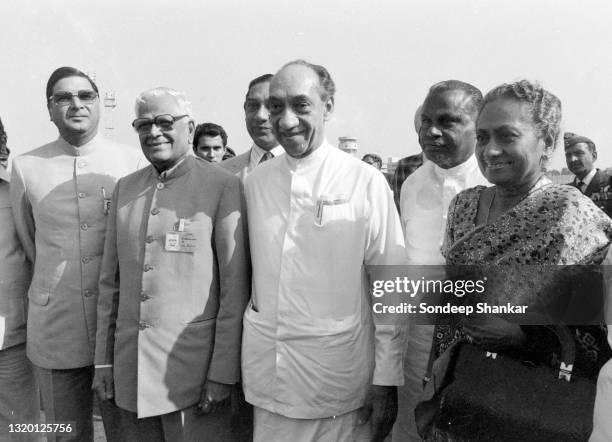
x: 103, y: 383
x: 380, y: 409
x: 214, y: 397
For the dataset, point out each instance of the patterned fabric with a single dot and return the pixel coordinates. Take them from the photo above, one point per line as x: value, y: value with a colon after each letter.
x: 555, y: 226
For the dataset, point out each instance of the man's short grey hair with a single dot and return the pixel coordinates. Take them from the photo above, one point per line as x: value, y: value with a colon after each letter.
x: 180, y: 98
x: 327, y: 86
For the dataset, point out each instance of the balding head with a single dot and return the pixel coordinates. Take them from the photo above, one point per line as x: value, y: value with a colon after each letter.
x: 300, y: 105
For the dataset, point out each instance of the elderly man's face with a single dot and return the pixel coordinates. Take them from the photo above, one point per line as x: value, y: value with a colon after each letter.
x: 75, y: 118
x: 297, y: 112
x: 164, y: 148
x: 580, y: 161
x: 257, y: 116
x: 447, y: 134
x: 210, y: 149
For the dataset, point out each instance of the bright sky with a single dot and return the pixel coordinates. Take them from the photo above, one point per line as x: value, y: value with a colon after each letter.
x: 383, y: 56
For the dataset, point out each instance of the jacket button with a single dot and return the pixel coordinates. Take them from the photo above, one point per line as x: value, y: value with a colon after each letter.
x: 147, y: 267
x: 160, y: 186
x: 149, y: 239
x: 85, y: 259
x: 88, y: 293
x: 84, y: 226
x: 81, y: 194
x: 154, y: 211
x: 144, y: 297
x: 143, y: 325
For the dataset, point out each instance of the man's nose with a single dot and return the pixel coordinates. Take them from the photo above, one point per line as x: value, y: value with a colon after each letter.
x: 75, y: 102
x: 288, y: 120
x: 262, y: 114
x: 433, y: 131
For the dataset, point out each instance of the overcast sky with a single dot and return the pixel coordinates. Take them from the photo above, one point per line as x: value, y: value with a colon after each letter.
x: 383, y: 56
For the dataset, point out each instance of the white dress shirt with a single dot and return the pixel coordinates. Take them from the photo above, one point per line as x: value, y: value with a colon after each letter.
x: 310, y: 348
x: 257, y: 152
x: 586, y: 180
x: 424, y: 201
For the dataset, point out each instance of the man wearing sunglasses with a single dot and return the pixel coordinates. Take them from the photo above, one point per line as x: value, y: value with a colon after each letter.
x: 60, y: 194
x: 174, y: 285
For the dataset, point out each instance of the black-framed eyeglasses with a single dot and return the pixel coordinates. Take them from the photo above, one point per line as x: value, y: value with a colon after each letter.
x: 65, y: 98
x: 165, y: 122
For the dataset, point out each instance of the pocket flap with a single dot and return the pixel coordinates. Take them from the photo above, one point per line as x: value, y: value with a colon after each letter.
x: 39, y: 298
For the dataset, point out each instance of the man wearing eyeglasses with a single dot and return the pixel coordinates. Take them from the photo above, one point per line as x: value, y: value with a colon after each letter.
x: 174, y: 284
x: 61, y: 195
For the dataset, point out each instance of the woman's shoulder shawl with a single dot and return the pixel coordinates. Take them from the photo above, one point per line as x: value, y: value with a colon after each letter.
x: 555, y: 224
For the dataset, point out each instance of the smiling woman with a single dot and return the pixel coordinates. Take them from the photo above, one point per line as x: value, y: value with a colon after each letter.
x: 501, y: 228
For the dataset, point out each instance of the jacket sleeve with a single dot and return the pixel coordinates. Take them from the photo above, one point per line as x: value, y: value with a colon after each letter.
x: 108, y: 289
x: 230, y: 244
x: 22, y: 212
x: 385, y: 247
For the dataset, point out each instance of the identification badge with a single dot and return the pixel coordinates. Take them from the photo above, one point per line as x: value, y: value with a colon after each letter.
x: 180, y: 241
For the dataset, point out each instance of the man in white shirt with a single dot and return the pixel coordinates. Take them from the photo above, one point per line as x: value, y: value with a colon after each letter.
x: 315, y: 364
x: 448, y: 138
x: 257, y: 119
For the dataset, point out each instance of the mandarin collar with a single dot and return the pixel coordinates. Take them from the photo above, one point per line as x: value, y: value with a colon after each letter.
x: 85, y: 149
x: 314, y: 159
x: 457, y: 171
x: 178, y: 170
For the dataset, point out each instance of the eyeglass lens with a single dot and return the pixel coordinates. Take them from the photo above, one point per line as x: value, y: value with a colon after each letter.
x: 85, y: 96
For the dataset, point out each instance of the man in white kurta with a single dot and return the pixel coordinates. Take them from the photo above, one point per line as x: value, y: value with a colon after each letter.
x: 311, y: 350
x: 60, y: 193
x: 424, y: 201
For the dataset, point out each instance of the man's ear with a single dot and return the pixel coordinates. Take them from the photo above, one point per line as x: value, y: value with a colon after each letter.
x: 49, y: 110
x: 191, y: 128
x: 329, y: 108
x: 594, y: 155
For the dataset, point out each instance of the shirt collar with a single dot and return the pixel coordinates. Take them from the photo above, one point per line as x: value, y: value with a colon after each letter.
x: 588, y: 178
x: 179, y: 169
x: 455, y: 172
x: 313, y: 159
x: 257, y: 152
x: 84, y: 149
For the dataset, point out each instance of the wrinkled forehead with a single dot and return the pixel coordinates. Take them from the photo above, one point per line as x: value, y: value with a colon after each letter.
x: 161, y: 101
x: 293, y: 81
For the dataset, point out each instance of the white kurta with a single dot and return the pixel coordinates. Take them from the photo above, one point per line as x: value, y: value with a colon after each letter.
x: 424, y: 202
x: 310, y: 348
